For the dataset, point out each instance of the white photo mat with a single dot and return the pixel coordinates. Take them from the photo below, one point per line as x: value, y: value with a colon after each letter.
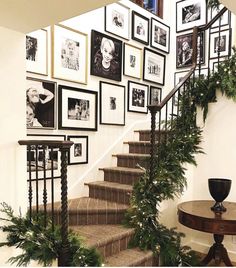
x: 225, y: 36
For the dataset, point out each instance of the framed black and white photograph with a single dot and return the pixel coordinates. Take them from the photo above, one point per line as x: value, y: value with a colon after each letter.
x: 137, y: 97
x: 190, y: 13
x: 214, y: 63
x: 160, y: 36
x: 155, y: 95
x: 112, y: 104
x: 154, y: 67
x: 180, y: 75
x: 37, y: 52
x: 78, y: 153
x: 132, y: 61
x: 77, y: 108
x: 43, y: 157
x: 106, y: 56
x: 220, y: 44
x: 117, y: 20
x: 223, y: 21
x: 140, y: 28
x: 69, y: 54
x: 184, y: 50
x: 41, y: 99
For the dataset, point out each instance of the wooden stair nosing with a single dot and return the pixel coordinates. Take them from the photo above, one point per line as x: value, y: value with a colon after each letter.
x: 125, y: 170
x: 111, y: 186
x: 132, y: 155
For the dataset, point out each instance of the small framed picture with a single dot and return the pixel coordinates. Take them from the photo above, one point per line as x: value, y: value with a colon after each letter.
x: 44, y: 154
x: 223, y: 20
x: 37, y: 52
x: 132, y: 61
x: 106, y: 56
x: 180, y: 75
x: 137, y: 97
x: 69, y: 54
x: 112, y: 104
x: 214, y: 63
x: 140, y: 28
x: 190, y: 13
x: 155, y: 95
x: 78, y: 153
x: 220, y: 42
x: 154, y: 67
x: 160, y: 36
x: 41, y: 99
x: 77, y: 108
x: 117, y: 20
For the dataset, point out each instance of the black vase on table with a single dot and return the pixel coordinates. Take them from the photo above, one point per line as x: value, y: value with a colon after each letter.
x: 219, y: 190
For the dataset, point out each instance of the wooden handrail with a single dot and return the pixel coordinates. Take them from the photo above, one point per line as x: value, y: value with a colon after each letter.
x: 50, y: 143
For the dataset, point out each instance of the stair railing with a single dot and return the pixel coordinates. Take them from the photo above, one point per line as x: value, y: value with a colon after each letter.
x: 43, y: 157
x: 169, y: 107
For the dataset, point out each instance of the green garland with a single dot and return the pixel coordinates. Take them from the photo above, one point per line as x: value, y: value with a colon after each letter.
x: 42, y: 244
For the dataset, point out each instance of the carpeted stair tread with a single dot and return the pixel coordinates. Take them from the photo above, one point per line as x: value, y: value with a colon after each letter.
x: 111, y: 185
x: 128, y: 155
x: 123, y: 170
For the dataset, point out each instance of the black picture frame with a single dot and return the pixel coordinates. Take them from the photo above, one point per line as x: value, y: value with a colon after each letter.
x: 225, y: 43
x: 41, y: 100
x: 155, y: 95
x: 77, y: 108
x: 113, y: 47
x: 140, y: 28
x: 154, y: 67
x: 112, y: 104
x: 225, y: 18
x: 78, y: 153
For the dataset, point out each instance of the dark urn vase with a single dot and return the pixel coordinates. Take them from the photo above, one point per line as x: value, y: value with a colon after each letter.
x: 219, y: 190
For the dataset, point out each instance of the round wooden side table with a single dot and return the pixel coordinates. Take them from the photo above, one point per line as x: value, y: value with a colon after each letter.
x: 199, y: 216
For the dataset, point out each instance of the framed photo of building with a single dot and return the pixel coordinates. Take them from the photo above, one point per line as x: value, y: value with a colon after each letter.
x: 37, y: 52
x: 132, y: 61
x: 154, y: 67
x: 112, y: 104
x: 69, y: 54
x: 78, y: 153
x: 220, y: 42
x: 106, y: 56
x: 190, y: 13
x: 77, y: 108
x: 41, y: 99
x: 155, y: 95
x: 137, y: 97
x: 224, y: 19
x: 43, y: 157
x: 180, y: 75
x: 160, y: 36
x: 117, y: 20
x: 140, y: 28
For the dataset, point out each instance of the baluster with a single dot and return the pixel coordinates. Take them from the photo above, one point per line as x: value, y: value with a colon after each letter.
x: 44, y: 185
x: 166, y: 122
x: 52, y: 186
x: 30, y: 194
x: 37, y: 177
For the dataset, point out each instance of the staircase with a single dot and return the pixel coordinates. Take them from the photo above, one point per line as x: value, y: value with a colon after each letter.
x: 98, y: 218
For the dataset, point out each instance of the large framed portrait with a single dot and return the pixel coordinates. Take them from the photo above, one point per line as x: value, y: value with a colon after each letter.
x: 132, y: 61
x: 140, y: 28
x: 190, y: 13
x: 154, y: 67
x: 137, y: 97
x: 155, y: 95
x: 77, y: 108
x: 78, y: 153
x: 40, y: 157
x: 223, y: 20
x: 69, y: 54
x: 112, y: 104
x: 37, y: 52
x: 160, y: 36
x: 220, y: 42
x: 41, y: 99
x: 106, y: 56
x: 184, y: 50
x: 117, y: 20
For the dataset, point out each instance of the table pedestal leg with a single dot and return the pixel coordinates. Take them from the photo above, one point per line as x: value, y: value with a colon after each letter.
x: 217, y: 252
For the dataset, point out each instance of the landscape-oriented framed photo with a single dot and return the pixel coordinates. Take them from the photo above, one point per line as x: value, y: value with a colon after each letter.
x: 140, y: 28
x: 41, y: 100
x: 180, y: 75
x: 190, y: 13
x: 132, y: 61
x: 37, y: 52
x: 106, y: 56
x: 137, y: 97
x: 78, y: 153
x: 223, y: 20
x: 160, y: 36
x: 69, y: 54
x: 77, y: 108
x: 154, y: 67
x: 155, y: 95
x: 220, y: 42
x: 44, y: 157
x: 184, y: 50
x: 117, y: 20
x: 112, y: 104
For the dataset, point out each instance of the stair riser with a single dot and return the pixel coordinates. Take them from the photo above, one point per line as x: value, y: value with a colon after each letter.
x: 139, y: 148
x: 145, y: 136
x: 118, y: 177
x: 131, y: 162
